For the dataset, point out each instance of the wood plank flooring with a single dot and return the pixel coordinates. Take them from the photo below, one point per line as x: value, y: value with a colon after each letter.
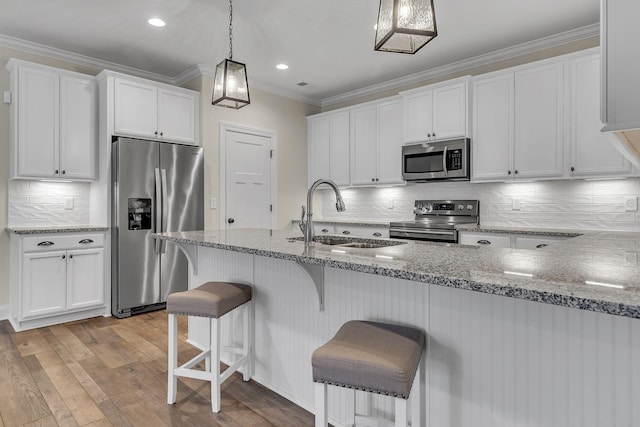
x: 113, y: 372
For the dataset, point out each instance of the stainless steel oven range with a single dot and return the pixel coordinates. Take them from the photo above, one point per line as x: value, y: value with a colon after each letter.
x: 436, y: 220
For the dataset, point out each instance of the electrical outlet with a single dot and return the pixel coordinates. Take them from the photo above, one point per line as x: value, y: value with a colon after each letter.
x: 7, y: 97
x: 68, y: 203
x: 631, y: 204
x: 213, y: 203
x: 390, y: 204
x: 515, y: 204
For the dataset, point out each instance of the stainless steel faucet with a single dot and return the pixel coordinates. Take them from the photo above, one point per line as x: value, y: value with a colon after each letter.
x: 307, y: 227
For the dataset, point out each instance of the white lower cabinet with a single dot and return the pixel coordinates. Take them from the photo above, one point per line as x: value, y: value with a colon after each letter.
x: 56, y: 278
x: 501, y: 240
x: 362, y: 231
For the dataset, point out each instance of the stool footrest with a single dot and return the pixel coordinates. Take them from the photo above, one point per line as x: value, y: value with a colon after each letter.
x: 363, y: 420
x: 193, y: 373
x: 195, y: 360
x: 231, y: 369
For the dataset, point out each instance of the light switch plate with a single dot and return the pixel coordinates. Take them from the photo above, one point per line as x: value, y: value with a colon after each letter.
x: 213, y: 203
x: 515, y: 204
x: 631, y: 203
x: 7, y: 97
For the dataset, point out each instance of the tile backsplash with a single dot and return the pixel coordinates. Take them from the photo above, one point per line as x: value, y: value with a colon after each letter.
x: 575, y: 204
x: 40, y: 203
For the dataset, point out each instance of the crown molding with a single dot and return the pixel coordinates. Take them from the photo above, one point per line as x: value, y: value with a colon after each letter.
x: 77, y: 59
x: 470, y: 63
x: 207, y: 70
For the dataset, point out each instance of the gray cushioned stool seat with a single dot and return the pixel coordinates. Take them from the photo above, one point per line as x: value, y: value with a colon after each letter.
x: 212, y: 299
x: 370, y: 356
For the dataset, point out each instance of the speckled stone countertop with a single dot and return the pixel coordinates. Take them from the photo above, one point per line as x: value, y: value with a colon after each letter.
x: 363, y: 223
x: 596, y: 271
x: 56, y: 229
x: 519, y: 230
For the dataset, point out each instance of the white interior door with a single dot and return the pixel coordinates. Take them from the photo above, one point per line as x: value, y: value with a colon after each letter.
x: 248, y: 183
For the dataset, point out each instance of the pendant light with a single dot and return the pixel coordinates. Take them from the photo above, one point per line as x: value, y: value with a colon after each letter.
x: 230, y: 85
x: 405, y: 26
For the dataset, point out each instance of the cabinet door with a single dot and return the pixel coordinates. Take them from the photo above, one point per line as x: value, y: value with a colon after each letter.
x: 621, y: 91
x: 363, y: 145
x: 77, y: 128
x: 85, y: 278
x: 592, y: 154
x: 177, y: 114
x: 136, y: 109
x: 539, y: 122
x: 390, y: 143
x: 482, y: 239
x: 450, y: 111
x: 318, y: 148
x: 38, y: 123
x: 492, y: 141
x: 418, y: 116
x: 44, y: 284
x: 339, y: 156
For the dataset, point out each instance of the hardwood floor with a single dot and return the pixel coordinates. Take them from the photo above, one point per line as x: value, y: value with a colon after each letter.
x: 112, y: 372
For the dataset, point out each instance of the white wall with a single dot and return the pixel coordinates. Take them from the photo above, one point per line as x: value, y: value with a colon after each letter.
x: 576, y: 204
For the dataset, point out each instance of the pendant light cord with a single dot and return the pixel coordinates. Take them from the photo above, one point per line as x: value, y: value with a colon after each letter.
x: 230, y: 29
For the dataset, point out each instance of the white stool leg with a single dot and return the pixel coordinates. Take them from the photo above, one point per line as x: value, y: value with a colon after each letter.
x: 172, y: 384
x: 215, y: 365
x: 350, y: 408
x: 246, y: 341
x: 321, y: 405
x: 401, y: 412
x: 417, y: 398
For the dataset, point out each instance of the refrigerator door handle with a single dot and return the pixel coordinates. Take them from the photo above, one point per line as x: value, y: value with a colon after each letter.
x: 158, y: 225
x: 165, y: 210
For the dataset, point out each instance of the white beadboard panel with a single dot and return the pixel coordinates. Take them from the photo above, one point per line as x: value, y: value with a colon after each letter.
x: 496, y: 361
x: 577, y: 204
x: 4, y: 312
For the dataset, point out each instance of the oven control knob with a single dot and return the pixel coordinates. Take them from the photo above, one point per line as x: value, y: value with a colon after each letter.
x: 461, y: 207
x: 469, y: 207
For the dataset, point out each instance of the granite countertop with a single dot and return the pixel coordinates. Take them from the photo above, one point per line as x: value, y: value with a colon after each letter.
x: 519, y: 230
x: 364, y: 223
x: 596, y: 271
x: 56, y: 229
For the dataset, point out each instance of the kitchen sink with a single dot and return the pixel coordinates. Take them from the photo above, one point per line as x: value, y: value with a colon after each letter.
x: 352, y: 242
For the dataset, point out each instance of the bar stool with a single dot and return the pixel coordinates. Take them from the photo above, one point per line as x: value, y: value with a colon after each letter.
x: 212, y: 300
x: 373, y: 357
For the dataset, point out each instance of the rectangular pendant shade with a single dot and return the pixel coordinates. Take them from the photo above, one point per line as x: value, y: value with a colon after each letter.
x: 405, y: 26
x: 230, y: 87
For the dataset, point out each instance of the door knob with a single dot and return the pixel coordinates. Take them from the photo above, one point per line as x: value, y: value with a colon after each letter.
x: 231, y: 220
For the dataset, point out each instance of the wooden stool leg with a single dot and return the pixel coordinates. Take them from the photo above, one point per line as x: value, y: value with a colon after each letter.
x: 172, y: 384
x: 247, y: 344
x: 321, y: 405
x: 215, y: 365
x: 401, y: 412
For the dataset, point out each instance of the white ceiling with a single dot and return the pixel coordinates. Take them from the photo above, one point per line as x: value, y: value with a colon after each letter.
x: 327, y: 43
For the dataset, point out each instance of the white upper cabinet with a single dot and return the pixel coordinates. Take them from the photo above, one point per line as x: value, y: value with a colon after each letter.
x: 518, y: 125
x: 492, y: 143
x: 154, y: 111
x: 53, y: 123
x: 328, y: 147
x: 436, y: 112
x: 539, y: 125
x: 376, y: 144
x: 620, y: 34
x: 591, y: 153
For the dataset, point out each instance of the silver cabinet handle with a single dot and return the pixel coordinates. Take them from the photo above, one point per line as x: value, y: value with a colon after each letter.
x: 324, y: 230
x: 483, y: 242
x: 46, y: 243
x: 158, y: 208
x: 377, y: 234
x: 444, y: 159
x: 541, y: 245
x: 346, y: 232
x: 85, y: 241
x: 63, y: 256
x: 165, y: 208
x: 70, y: 256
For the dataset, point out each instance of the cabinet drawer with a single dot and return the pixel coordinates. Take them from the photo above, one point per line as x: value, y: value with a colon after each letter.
x: 536, y: 243
x: 51, y: 242
x: 485, y: 240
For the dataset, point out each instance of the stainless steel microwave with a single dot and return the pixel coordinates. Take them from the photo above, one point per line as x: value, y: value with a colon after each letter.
x: 448, y: 160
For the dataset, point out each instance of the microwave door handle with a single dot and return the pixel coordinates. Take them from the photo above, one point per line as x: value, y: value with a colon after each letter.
x: 444, y: 161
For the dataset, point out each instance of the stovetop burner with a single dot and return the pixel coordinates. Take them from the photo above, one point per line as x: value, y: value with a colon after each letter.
x: 436, y: 220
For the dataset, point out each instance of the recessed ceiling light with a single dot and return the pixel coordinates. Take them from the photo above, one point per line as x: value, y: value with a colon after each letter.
x: 156, y: 22
x: 282, y: 66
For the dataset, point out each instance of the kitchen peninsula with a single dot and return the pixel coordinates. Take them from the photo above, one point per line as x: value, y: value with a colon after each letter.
x: 496, y: 355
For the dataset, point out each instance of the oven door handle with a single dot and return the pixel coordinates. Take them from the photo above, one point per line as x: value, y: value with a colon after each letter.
x: 444, y: 161
x: 443, y: 232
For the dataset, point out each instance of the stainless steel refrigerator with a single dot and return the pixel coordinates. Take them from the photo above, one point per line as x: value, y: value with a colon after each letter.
x: 157, y: 187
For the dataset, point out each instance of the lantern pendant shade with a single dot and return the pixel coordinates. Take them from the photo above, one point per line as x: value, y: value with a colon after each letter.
x: 405, y: 26
x: 230, y: 86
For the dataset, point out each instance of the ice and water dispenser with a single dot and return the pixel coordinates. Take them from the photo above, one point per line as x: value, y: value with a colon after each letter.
x: 139, y: 214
